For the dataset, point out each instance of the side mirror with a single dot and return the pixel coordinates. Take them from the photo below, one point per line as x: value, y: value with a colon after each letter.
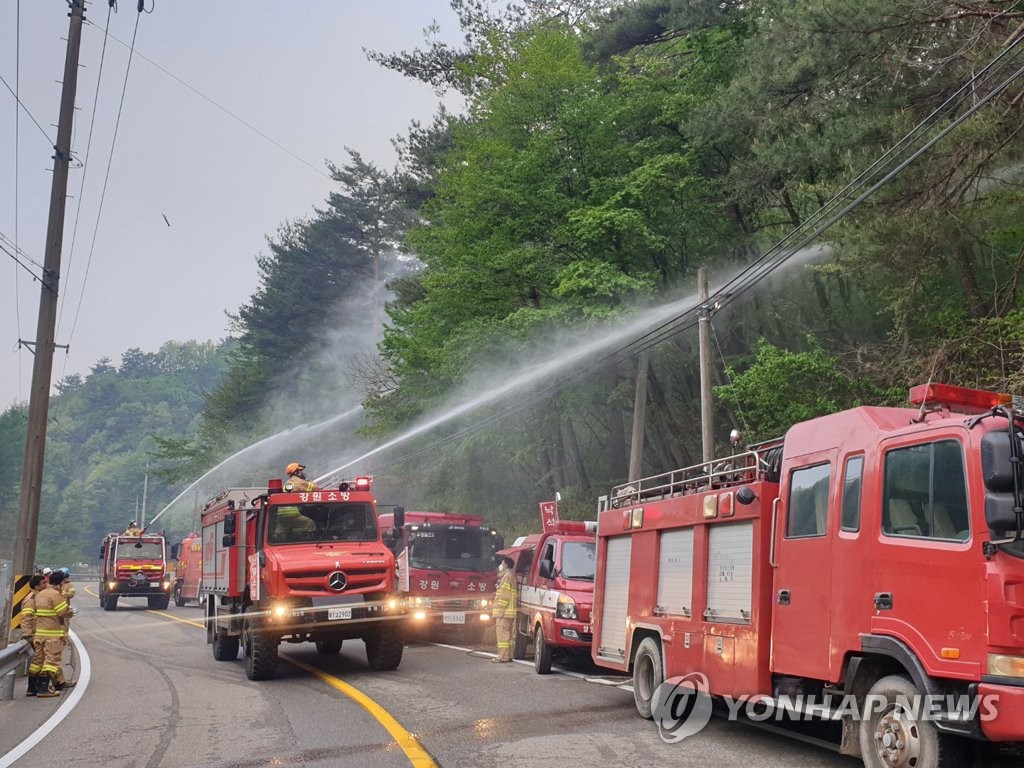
x: 399, y: 517
x: 546, y: 569
x: 229, y: 523
x: 228, y: 540
x: 103, y: 552
x: 392, y: 537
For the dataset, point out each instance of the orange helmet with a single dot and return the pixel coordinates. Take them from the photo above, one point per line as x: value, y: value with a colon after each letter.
x: 294, y: 467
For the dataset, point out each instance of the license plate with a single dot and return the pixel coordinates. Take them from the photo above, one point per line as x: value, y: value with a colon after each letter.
x: 339, y: 613
x: 450, y: 617
x: 154, y: 583
x: 586, y: 629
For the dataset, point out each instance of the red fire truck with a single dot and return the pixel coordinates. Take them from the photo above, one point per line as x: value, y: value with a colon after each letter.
x: 298, y: 567
x: 188, y: 569
x: 134, y: 566
x: 869, y: 559
x: 446, y: 569
x: 556, y: 589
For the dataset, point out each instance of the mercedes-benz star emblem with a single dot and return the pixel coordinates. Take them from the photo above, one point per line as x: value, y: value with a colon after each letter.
x: 337, y: 581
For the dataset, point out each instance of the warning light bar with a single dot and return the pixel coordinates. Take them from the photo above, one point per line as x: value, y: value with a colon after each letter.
x: 958, y: 398
x: 275, y: 485
x: 359, y: 484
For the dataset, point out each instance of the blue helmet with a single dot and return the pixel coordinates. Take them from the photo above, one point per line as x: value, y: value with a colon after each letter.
x: 65, y: 570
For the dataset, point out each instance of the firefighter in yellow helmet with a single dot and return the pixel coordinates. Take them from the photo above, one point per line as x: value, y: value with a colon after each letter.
x: 504, y: 610
x: 290, y: 520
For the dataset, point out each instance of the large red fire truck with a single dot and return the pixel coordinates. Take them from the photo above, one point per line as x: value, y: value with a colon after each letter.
x: 446, y: 570
x: 868, y: 560
x: 188, y: 569
x: 134, y: 566
x: 298, y: 567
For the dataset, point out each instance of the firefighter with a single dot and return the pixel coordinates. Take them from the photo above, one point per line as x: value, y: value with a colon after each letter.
x: 132, y: 529
x: 28, y: 630
x: 289, y: 519
x: 67, y: 591
x: 51, y: 608
x: 504, y: 610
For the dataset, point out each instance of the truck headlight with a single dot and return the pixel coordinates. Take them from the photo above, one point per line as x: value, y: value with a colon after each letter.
x: 1005, y: 666
x: 566, y: 608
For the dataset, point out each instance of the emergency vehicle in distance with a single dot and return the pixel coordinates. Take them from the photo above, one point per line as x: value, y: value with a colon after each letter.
x: 446, y: 565
x: 188, y: 569
x: 134, y: 566
x: 555, y: 580
x: 875, y: 553
x: 298, y: 567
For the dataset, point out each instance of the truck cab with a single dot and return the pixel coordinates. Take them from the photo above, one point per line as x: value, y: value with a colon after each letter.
x: 555, y: 574
x: 188, y: 574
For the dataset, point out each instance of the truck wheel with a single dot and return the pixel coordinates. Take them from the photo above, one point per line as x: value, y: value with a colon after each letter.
x: 328, y: 647
x: 541, y: 653
x: 225, y: 647
x: 260, y: 654
x: 895, y: 738
x: 519, y: 642
x: 111, y: 603
x: 158, y: 602
x: 178, y: 599
x: 384, y: 650
x: 648, y: 674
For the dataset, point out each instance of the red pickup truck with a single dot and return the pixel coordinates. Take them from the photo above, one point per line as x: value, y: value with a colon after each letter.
x: 555, y: 576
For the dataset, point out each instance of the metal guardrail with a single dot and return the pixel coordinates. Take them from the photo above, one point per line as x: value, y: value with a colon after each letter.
x: 10, y: 657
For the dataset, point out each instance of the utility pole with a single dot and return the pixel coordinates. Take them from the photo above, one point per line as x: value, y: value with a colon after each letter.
x: 636, y: 443
x: 42, y: 368
x: 707, y: 431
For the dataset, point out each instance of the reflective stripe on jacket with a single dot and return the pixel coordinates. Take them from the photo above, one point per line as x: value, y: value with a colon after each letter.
x: 505, y: 596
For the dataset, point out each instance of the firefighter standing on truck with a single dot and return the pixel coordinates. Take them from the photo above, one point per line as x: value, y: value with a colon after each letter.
x: 504, y: 610
x: 51, y: 609
x: 290, y: 519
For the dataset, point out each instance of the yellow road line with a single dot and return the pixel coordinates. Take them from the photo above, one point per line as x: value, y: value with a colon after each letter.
x: 418, y: 756
x: 409, y: 744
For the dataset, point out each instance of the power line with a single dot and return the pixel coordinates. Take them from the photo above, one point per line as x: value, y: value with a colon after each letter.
x: 106, y: 178
x: 21, y: 264
x: 227, y: 111
x: 25, y: 109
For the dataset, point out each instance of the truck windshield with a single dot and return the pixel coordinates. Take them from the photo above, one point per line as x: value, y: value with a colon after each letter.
x: 578, y: 560
x: 336, y: 521
x: 452, y: 549
x: 140, y: 550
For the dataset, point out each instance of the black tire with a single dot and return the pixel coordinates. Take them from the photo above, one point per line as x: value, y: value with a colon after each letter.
x: 384, y: 649
x: 891, y: 737
x: 158, y: 602
x: 648, y: 674
x: 111, y: 603
x: 541, y: 653
x: 330, y: 647
x: 225, y: 647
x: 178, y: 599
x: 260, y: 654
x: 519, y: 642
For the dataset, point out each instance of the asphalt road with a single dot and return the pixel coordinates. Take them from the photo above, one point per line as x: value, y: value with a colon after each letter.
x: 156, y: 698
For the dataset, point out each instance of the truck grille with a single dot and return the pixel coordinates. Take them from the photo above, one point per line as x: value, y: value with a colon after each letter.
x: 314, y: 581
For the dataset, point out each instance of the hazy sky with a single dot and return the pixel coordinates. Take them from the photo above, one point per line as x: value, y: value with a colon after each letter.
x: 294, y: 70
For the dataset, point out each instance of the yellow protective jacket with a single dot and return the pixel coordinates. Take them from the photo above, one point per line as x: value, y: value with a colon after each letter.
x: 505, y: 596
x: 51, y: 607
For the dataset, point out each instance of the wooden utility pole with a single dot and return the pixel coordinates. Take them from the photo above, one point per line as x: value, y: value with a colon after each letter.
x: 636, y: 446
x: 42, y: 368
x: 707, y: 430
